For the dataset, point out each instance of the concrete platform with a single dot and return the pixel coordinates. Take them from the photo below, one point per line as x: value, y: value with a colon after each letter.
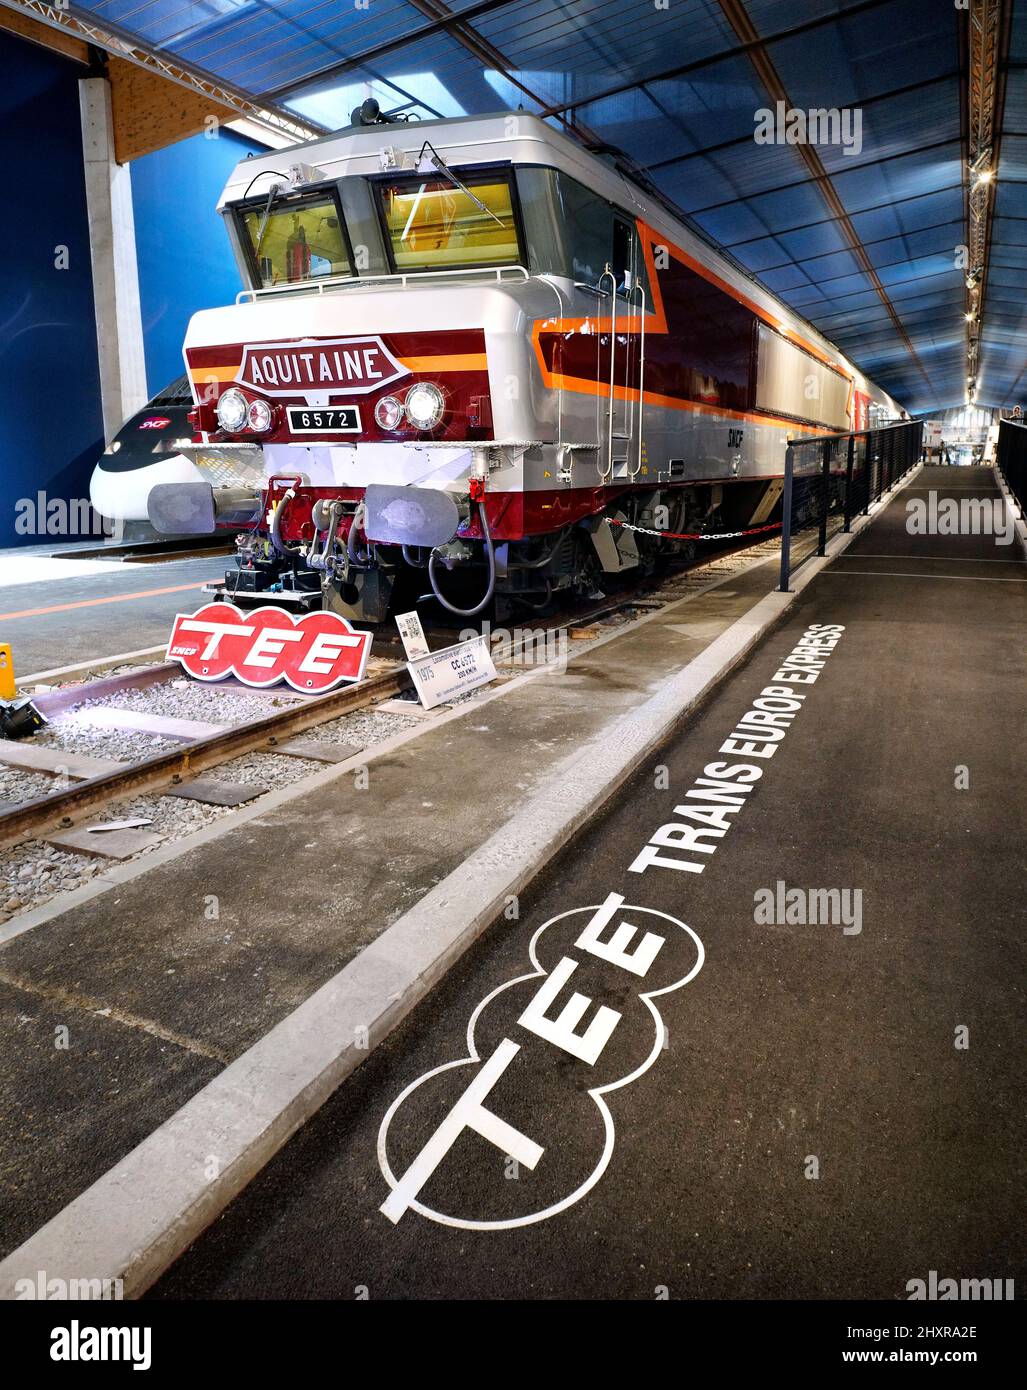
x: 215, y: 943
x: 80, y: 610
x: 93, y: 1082
x: 805, y: 1120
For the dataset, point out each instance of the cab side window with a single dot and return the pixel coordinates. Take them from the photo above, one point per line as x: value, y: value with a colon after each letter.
x: 622, y: 260
x: 598, y: 235
x: 587, y: 223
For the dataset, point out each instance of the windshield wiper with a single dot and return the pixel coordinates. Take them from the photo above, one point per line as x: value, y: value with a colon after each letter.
x: 435, y: 160
x: 272, y: 194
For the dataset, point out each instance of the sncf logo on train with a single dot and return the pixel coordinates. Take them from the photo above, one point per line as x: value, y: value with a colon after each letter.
x: 319, y: 367
x: 312, y: 653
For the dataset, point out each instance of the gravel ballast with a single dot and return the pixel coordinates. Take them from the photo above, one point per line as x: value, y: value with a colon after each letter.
x: 33, y: 873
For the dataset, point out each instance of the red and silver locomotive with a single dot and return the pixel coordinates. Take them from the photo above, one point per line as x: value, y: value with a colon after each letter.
x: 468, y: 353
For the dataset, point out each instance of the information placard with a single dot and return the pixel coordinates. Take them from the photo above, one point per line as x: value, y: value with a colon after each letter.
x: 262, y: 646
x: 415, y: 644
x: 444, y: 674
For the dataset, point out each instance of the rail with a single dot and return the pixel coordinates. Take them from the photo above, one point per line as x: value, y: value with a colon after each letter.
x: 71, y: 806
x: 64, y: 808
x: 831, y: 478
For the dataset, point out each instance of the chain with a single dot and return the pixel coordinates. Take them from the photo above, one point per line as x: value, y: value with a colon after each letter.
x: 694, y: 536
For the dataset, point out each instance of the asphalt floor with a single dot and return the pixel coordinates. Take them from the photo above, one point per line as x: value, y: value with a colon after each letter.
x: 788, y: 1110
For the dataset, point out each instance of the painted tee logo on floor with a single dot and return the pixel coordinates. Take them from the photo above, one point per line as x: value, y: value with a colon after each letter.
x: 520, y: 1129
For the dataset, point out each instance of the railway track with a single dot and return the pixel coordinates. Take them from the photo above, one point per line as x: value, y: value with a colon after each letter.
x: 271, y: 733
x: 82, y: 794
x: 197, y: 755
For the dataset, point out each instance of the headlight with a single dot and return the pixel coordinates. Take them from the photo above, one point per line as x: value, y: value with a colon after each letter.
x: 424, y: 405
x: 389, y: 413
x: 259, y: 416
x: 231, y: 411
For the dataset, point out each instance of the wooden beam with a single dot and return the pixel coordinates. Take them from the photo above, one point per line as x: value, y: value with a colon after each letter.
x: 42, y: 34
x: 151, y: 112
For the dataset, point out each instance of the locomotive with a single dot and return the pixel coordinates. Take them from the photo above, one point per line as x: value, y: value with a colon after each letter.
x: 478, y: 362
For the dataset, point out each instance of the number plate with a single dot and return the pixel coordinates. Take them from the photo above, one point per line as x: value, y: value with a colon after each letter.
x: 327, y: 419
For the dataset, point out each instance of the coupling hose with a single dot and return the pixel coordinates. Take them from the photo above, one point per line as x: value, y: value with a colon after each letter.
x: 491, y: 552
x: 276, y: 524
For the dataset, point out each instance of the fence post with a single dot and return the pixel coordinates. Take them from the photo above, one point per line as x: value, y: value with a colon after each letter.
x: 848, y: 482
x: 868, y: 461
x: 826, y: 498
x: 786, y: 522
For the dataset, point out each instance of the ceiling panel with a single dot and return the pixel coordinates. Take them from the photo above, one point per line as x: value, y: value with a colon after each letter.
x: 858, y: 232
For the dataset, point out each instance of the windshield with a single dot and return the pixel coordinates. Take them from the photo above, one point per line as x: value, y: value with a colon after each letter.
x: 301, y: 239
x: 433, y: 225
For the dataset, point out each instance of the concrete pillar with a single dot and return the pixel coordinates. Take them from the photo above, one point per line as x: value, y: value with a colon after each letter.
x: 112, y: 249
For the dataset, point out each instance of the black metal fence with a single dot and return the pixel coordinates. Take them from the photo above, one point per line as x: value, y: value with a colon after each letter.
x: 830, y: 478
x: 1011, y: 460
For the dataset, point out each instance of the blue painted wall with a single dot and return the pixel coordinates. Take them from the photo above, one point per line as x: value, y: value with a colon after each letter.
x: 51, y: 430
x: 182, y: 247
x: 51, y: 425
